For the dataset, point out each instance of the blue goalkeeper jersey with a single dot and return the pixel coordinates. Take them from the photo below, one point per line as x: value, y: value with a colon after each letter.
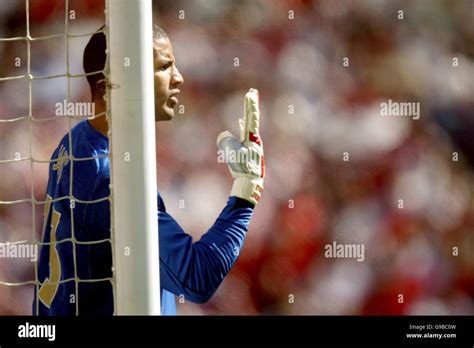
x: 79, y: 274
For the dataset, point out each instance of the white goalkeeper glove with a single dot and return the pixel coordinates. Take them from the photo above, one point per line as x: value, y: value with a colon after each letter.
x: 244, y: 156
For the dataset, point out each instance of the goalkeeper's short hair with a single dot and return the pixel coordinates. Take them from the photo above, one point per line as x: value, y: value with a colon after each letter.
x: 94, y: 57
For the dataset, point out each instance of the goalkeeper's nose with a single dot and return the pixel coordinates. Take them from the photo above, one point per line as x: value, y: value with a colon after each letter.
x: 176, y: 78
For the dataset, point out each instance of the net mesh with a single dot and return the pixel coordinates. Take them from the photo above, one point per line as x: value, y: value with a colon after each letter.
x: 31, y: 118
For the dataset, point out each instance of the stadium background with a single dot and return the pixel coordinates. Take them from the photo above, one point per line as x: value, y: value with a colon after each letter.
x: 312, y: 197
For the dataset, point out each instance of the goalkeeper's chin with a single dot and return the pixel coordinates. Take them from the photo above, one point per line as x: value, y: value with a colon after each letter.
x: 164, y: 113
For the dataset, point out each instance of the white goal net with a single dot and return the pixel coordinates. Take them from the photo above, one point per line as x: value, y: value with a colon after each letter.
x: 44, y: 95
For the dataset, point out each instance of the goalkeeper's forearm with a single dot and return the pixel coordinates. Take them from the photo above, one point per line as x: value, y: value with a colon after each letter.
x: 196, y: 270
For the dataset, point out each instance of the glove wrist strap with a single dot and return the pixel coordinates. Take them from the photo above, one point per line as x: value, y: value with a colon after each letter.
x: 246, y: 188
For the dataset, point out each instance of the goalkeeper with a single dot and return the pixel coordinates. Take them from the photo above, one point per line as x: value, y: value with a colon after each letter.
x: 194, y: 270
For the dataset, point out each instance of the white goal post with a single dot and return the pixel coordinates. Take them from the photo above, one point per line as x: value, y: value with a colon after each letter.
x: 130, y: 111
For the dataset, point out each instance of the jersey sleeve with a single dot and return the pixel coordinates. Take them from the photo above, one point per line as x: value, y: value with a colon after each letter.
x: 196, y: 270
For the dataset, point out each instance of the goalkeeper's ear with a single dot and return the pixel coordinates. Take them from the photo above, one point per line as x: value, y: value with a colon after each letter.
x: 103, y: 85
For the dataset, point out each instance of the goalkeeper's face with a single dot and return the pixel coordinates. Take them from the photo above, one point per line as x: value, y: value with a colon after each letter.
x: 167, y: 80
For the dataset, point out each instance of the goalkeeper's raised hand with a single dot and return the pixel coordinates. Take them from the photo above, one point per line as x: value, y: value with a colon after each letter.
x: 244, y: 156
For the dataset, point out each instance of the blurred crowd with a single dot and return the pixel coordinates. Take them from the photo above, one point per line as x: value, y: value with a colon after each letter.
x: 337, y: 170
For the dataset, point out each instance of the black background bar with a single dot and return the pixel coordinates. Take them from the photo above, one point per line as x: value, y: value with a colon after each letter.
x: 244, y: 330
